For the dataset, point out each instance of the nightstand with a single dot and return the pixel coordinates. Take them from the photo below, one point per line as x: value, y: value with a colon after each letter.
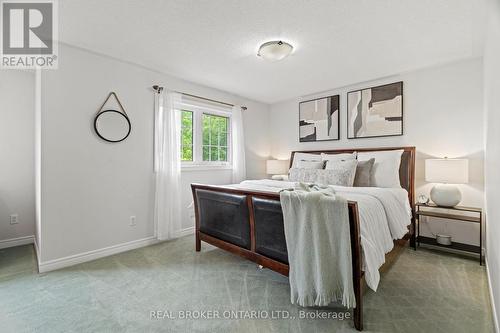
x: 451, y: 213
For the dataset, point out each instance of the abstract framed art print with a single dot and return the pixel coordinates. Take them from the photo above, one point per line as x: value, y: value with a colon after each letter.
x: 319, y: 119
x: 375, y: 112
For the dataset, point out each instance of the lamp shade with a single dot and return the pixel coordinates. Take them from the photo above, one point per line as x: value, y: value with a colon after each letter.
x: 276, y: 167
x: 447, y: 170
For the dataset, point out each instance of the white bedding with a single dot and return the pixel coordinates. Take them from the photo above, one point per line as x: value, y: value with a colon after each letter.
x: 384, y: 215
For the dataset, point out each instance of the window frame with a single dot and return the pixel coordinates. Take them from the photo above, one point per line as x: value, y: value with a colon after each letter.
x: 218, y: 146
x: 192, y: 134
x: 197, y: 163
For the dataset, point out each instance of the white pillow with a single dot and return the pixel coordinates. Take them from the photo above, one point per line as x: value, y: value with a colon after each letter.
x: 385, y: 171
x: 305, y: 157
x: 338, y: 157
x: 301, y: 164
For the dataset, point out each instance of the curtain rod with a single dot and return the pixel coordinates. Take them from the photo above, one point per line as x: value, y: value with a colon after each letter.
x: 159, y: 89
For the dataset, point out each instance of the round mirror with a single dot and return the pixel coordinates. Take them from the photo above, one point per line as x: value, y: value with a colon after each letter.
x: 112, y: 125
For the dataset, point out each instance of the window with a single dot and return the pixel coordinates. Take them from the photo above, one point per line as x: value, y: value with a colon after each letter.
x: 215, y: 138
x: 186, y: 135
x: 205, y: 136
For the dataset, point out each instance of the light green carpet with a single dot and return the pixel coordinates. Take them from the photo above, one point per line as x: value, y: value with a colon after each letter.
x: 424, y: 291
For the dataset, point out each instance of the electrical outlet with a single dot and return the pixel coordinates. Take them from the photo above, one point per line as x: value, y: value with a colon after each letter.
x: 14, y: 219
x: 132, y: 221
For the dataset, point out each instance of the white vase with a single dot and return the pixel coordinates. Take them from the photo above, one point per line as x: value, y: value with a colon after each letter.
x: 446, y: 195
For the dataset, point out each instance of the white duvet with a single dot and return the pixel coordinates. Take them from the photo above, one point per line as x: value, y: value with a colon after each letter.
x: 384, y: 215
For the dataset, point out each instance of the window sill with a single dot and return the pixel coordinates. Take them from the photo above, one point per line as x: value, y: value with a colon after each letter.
x: 198, y: 167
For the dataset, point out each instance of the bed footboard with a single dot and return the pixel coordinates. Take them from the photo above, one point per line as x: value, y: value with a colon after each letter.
x: 224, y: 216
x: 250, y: 224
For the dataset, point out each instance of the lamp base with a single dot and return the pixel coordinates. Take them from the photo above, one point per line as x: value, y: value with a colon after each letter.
x: 446, y: 195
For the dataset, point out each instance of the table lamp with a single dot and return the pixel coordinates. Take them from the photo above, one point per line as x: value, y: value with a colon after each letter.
x: 447, y: 172
x: 277, y: 168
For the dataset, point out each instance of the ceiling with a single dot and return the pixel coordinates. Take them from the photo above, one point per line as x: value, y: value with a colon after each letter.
x: 338, y: 42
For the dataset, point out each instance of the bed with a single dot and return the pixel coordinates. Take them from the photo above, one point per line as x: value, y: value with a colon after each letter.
x: 247, y: 219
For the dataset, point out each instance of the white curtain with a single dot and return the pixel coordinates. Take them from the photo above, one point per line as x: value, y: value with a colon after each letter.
x: 238, y: 145
x: 167, y: 213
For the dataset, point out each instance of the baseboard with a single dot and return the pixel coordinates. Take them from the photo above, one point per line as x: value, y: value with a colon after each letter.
x: 16, y: 241
x: 492, y: 300
x: 52, y: 265
x: 187, y: 231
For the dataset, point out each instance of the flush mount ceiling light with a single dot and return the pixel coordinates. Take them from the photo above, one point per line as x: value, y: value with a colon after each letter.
x: 275, y: 50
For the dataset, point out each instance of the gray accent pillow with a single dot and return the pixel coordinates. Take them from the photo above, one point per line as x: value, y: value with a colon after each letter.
x: 363, y: 173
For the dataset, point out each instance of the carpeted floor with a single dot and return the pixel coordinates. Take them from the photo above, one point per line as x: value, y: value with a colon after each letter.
x: 424, y: 291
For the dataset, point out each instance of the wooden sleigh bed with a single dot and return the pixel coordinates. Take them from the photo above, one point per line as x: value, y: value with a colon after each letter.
x: 250, y: 223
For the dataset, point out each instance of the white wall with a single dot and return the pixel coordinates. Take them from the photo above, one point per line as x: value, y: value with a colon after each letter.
x: 492, y: 167
x: 90, y: 188
x: 443, y: 116
x: 17, y: 184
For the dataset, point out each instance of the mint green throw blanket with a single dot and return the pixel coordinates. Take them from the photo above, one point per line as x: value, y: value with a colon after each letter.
x: 319, y: 246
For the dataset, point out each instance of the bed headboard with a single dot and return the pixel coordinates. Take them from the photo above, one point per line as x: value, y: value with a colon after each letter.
x: 406, y: 169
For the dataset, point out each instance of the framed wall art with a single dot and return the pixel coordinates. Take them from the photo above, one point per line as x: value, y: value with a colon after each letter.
x: 375, y: 112
x: 319, y: 119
